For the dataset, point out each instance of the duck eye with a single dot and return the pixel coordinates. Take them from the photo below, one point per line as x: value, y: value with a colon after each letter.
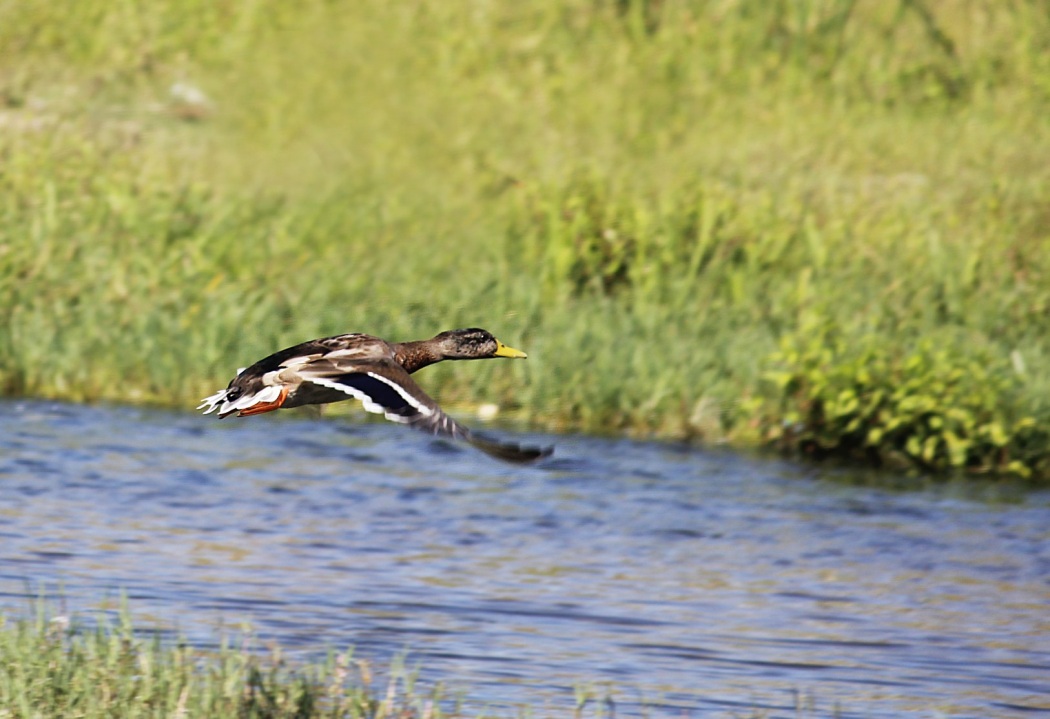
x: 233, y: 393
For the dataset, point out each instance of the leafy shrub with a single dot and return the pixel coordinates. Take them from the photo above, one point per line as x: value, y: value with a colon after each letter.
x: 931, y: 408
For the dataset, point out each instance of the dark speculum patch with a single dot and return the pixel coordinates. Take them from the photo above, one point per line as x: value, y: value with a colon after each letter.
x: 379, y: 392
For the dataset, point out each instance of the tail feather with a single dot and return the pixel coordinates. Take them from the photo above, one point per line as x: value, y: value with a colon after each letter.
x: 213, y: 402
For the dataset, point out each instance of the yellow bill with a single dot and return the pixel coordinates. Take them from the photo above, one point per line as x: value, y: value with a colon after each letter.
x: 503, y: 350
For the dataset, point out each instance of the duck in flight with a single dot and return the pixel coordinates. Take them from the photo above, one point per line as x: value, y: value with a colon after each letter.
x: 374, y: 371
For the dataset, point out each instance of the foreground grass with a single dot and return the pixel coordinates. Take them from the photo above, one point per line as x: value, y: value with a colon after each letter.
x: 52, y: 668
x: 818, y: 224
x: 48, y: 669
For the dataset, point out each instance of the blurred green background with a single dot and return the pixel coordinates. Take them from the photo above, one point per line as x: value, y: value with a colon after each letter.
x: 821, y: 224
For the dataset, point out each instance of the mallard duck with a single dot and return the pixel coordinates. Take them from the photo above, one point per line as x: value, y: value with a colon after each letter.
x: 371, y: 370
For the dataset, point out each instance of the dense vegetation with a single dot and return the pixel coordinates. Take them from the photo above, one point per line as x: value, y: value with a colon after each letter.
x: 817, y: 223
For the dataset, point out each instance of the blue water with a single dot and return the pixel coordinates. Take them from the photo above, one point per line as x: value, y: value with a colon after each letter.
x: 675, y: 581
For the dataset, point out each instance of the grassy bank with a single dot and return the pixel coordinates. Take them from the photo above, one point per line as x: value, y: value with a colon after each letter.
x: 819, y: 224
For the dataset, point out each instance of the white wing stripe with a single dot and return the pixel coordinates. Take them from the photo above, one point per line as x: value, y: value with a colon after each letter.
x: 365, y: 400
x: 357, y: 394
x: 423, y: 409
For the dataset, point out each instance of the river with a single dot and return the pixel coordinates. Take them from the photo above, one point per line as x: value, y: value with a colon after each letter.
x: 674, y: 580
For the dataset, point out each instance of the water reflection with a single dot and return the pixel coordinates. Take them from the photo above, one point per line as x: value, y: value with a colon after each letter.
x: 686, y: 580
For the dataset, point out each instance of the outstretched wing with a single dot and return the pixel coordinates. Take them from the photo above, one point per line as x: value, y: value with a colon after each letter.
x: 384, y: 387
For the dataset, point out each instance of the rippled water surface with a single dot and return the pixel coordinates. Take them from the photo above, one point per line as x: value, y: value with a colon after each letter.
x: 678, y: 581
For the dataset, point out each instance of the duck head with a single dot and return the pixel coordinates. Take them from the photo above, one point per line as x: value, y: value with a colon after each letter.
x: 473, y: 343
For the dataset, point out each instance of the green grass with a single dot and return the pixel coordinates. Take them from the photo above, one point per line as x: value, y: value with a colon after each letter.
x: 656, y: 200
x: 51, y: 669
